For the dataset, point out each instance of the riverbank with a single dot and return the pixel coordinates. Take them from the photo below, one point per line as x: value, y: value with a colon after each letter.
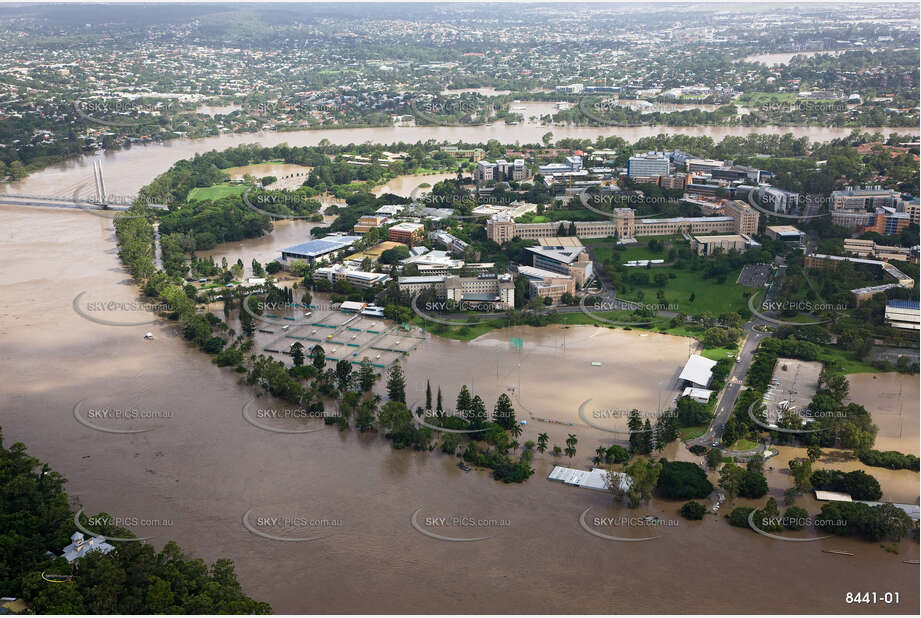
x: 206, y: 466
x: 130, y: 168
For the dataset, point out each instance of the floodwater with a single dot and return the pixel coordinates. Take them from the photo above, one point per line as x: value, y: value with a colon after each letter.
x: 892, y: 400
x: 288, y: 175
x: 405, y: 185
x: 286, y: 233
x: 129, y: 169
x: 279, y: 170
x: 900, y: 486
x: 202, y: 465
x: 552, y: 376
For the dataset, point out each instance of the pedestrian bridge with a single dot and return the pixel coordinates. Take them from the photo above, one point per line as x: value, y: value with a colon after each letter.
x: 73, y: 197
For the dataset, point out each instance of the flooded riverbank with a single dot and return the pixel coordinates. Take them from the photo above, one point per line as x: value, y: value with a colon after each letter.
x: 204, y: 466
x: 552, y: 374
x: 288, y: 175
x: 892, y: 400
x: 405, y: 185
x: 129, y: 169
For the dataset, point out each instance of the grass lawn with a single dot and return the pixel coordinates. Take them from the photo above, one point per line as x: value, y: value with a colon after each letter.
x: 604, y: 251
x: 689, y: 433
x: 215, y: 192
x: 468, y: 332
x: 709, y: 295
x: 743, y: 445
x: 720, y: 353
x: 616, y: 316
x: 459, y: 333
x: 846, y: 360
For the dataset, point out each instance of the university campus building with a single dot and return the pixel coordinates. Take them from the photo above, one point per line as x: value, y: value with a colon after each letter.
x: 486, y: 288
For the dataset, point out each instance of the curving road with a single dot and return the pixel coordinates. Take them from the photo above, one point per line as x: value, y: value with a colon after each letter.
x: 734, y: 385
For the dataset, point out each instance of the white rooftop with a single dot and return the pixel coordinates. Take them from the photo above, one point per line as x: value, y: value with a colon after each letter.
x: 698, y: 370
x: 697, y: 393
x: 596, y: 479
x: 539, y: 273
x: 835, y: 496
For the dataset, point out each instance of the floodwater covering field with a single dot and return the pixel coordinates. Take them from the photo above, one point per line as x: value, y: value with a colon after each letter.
x: 202, y: 466
x: 892, y: 400
x: 551, y: 375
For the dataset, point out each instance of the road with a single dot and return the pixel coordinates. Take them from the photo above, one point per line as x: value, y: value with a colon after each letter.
x: 734, y: 386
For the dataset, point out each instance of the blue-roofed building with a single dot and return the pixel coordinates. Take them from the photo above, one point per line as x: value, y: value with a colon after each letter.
x: 904, y: 314
x: 316, y: 251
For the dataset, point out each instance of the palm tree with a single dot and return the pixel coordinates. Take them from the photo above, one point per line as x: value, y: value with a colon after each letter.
x: 571, y: 442
x: 542, y: 440
x: 600, y: 453
x: 516, y: 430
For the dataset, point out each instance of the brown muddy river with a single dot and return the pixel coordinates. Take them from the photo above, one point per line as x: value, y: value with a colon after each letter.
x: 129, y: 169
x: 202, y: 467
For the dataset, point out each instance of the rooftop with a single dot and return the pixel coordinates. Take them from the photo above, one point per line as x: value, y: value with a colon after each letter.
x: 531, y: 272
x: 559, y: 241
x: 698, y: 370
x: 321, y: 246
x: 720, y: 237
x: 560, y: 254
x: 686, y: 219
x: 422, y: 279
x: 406, y: 226
x: 783, y: 229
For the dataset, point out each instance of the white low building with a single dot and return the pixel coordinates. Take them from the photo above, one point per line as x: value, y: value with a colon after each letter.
x: 438, y: 259
x: 360, y: 278
x: 698, y: 370
x: 597, y: 478
x: 700, y: 395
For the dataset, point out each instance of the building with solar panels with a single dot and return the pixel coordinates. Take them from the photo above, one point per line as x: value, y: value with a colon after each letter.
x: 316, y: 251
x: 903, y: 314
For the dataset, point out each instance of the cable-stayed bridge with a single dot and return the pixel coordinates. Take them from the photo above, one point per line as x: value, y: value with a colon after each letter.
x: 77, y: 196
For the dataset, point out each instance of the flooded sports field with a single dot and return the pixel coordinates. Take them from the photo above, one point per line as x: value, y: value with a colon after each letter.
x: 892, y: 400
x: 203, y: 466
x: 551, y: 371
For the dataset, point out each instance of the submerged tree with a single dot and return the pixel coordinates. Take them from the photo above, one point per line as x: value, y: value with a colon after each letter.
x: 396, y: 384
x: 504, y: 414
x: 297, y: 354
